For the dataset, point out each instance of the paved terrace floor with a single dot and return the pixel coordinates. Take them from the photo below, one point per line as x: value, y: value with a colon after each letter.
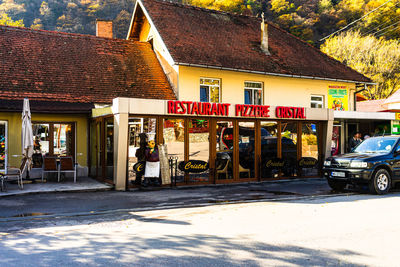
x: 67, y: 185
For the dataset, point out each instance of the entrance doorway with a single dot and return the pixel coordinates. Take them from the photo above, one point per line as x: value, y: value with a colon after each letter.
x: 102, y: 149
x: 3, y: 145
x: 140, y: 130
x: 352, y: 128
x: 225, y: 151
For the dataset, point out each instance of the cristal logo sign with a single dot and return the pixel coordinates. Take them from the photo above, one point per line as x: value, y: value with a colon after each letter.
x: 195, y: 166
x: 139, y: 167
x: 308, y: 162
x: 290, y: 112
x: 241, y: 110
x: 275, y: 163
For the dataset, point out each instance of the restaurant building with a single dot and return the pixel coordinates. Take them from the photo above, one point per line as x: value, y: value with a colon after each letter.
x: 228, y: 98
x: 253, y: 102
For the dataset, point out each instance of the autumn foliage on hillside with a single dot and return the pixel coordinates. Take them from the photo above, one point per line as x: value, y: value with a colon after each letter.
x: 379, y: 59
x: 77, y: 16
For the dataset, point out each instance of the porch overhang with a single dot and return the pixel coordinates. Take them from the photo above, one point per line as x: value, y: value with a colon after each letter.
x: 358, y: 115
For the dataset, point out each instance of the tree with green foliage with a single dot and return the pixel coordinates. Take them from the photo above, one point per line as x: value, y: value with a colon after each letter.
x: 378, y: 59
x: 6, y: 20
x: 234, y: 6
x: 282, y: 6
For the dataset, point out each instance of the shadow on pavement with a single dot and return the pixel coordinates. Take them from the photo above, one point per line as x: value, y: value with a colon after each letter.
x: 18, y: 212
x: 17, y: 224
x: 124, y: 249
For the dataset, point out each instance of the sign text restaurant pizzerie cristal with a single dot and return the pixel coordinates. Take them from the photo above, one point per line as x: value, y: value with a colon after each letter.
x: 241, y: 110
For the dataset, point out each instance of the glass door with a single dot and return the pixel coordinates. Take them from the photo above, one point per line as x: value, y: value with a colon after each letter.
x: 3, y: 145
x: 102, y: 149
x: 141, y: 131
x: 99, y: 150
x: 289, y: 148
x: 108, y: 169
x: 174, y: 138
x: 247, y: 150
x: 271, y: 163
x: 224, y: 160
x: 310, y: 158
x: 199, y: 147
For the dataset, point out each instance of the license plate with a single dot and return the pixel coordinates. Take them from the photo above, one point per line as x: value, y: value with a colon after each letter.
x: 338, y: 174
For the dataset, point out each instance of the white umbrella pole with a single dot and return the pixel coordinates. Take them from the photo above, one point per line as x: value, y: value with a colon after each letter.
x: 27, y: 135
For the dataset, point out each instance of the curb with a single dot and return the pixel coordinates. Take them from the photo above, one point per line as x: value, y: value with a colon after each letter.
x: 80, y: 190
x: 184, y: 187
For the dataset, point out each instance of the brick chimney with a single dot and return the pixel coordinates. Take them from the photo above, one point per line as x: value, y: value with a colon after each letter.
x: 104, y: 28
x: 264, y: 36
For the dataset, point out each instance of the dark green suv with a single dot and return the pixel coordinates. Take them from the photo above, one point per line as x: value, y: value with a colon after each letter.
x: 375, y: 162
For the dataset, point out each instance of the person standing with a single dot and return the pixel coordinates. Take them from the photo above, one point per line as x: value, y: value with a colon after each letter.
x: 354, y: 141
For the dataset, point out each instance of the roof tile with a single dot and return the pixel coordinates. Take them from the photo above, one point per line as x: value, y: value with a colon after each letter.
x: 207, y: 37
x: 63, y: 67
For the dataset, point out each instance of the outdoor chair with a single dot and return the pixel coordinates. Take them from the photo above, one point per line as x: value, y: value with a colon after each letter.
x: 223, y: 168
x: 67, y: 165
x: 49, y: 165
x: 243, y: 170
x: 13, y: 173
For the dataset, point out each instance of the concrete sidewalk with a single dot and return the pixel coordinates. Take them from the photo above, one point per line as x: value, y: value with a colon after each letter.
x: 82, y: 184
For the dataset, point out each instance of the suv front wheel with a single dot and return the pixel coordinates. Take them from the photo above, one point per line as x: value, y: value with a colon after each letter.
x: 380, y: 182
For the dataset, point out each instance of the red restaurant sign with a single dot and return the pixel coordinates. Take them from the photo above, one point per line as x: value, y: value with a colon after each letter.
x: 290, y: 112
x: 198, y: 108
x: 241, y: 110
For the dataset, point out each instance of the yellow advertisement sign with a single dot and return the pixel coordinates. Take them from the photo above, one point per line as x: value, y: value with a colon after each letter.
x: 338, y: 97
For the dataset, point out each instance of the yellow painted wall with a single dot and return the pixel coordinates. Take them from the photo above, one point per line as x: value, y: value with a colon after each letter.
x: 147, y: 32
x: 98, y: 112
x: 14, y: 133
x: 144, y: 31
x: 277, y: 90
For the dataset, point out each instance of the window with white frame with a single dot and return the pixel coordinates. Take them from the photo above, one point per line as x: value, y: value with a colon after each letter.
x: 317, y: 101
x: 253, y: 93
x: 210, y: 90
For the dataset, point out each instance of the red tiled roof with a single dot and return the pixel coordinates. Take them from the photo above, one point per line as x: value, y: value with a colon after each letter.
x: 74, y: 68
x: 206, y: 37
x: 371, y: 105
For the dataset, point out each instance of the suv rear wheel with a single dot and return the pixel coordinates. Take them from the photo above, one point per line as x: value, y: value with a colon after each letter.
x: 337, y: 185
x: 380, y: 182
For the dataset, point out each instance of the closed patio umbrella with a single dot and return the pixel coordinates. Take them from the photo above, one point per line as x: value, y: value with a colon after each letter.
x: 27, y: 133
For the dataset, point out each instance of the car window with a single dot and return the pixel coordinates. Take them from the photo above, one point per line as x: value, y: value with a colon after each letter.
x: 376, y: 145
x: 398, y: 148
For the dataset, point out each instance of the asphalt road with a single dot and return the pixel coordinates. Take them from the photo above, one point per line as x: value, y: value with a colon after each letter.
x: 292, y: 223
x: 347, y: 230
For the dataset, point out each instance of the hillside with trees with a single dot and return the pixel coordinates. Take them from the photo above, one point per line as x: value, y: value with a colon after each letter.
x: 364, y: 24
x: 75, y: 16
